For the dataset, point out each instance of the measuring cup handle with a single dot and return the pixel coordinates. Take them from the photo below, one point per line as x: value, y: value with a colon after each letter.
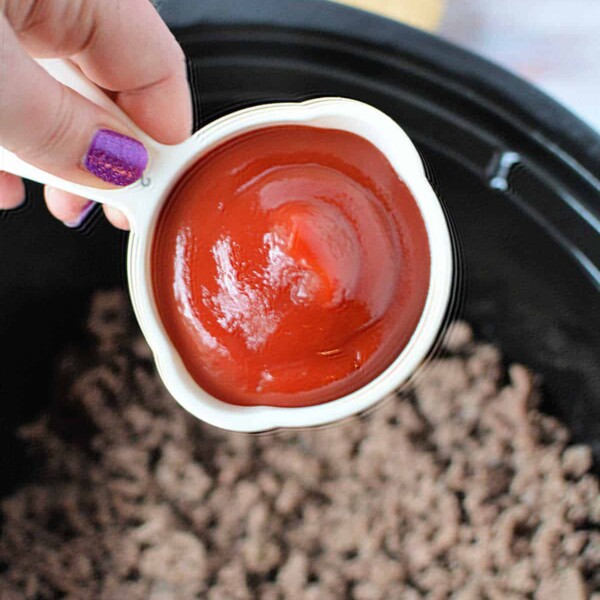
x: 68, y: 74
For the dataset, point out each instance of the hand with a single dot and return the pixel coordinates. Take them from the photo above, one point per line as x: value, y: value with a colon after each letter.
x: 126, y: 49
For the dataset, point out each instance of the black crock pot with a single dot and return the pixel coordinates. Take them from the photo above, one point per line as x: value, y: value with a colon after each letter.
x: 519, y: 176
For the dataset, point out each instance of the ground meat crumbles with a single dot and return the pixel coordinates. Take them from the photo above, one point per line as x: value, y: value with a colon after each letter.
x: 459, y: 487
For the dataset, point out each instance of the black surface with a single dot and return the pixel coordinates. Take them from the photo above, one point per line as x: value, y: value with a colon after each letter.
x: 531, y: 240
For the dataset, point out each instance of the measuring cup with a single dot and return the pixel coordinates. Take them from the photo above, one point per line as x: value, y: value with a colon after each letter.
x: 142, y: 202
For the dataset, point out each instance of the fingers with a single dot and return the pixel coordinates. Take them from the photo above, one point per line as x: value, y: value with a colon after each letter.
x: 116, y: 218
x: 68, y: 208
x: 151, y: 81
x: 12, y: 191
x: 52, y: 127
x: 124, y: 47
x: 73, y: 210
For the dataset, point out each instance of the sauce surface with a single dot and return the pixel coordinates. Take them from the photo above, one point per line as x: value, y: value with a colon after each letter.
x: 290, y: 266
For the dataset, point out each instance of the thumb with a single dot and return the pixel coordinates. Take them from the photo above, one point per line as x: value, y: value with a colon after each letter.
x: 54, y: 128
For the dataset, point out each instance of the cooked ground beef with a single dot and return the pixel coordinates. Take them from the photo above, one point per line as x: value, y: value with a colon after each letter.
x: 457, y: 487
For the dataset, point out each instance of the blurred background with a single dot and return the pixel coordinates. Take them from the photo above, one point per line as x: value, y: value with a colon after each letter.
x: 552, y: 43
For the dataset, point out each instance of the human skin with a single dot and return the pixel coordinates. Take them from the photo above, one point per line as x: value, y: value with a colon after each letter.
x: 125, y: 48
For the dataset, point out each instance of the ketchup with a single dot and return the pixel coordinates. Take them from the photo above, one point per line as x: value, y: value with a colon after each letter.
x: 290, y: 266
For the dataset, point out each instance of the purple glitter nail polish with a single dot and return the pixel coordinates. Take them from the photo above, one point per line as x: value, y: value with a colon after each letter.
x: 115, y: 158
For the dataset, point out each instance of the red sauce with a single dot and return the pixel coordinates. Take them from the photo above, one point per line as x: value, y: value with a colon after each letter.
x: 290, y: 266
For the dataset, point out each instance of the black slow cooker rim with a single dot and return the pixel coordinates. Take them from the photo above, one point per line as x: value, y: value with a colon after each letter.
x: 544, y: 118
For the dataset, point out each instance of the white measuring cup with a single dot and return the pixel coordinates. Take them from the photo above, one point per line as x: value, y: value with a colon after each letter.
x: 142, y: 202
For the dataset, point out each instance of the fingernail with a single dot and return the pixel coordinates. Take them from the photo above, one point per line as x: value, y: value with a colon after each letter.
x: 116, y: 158
x: 83, y: 215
